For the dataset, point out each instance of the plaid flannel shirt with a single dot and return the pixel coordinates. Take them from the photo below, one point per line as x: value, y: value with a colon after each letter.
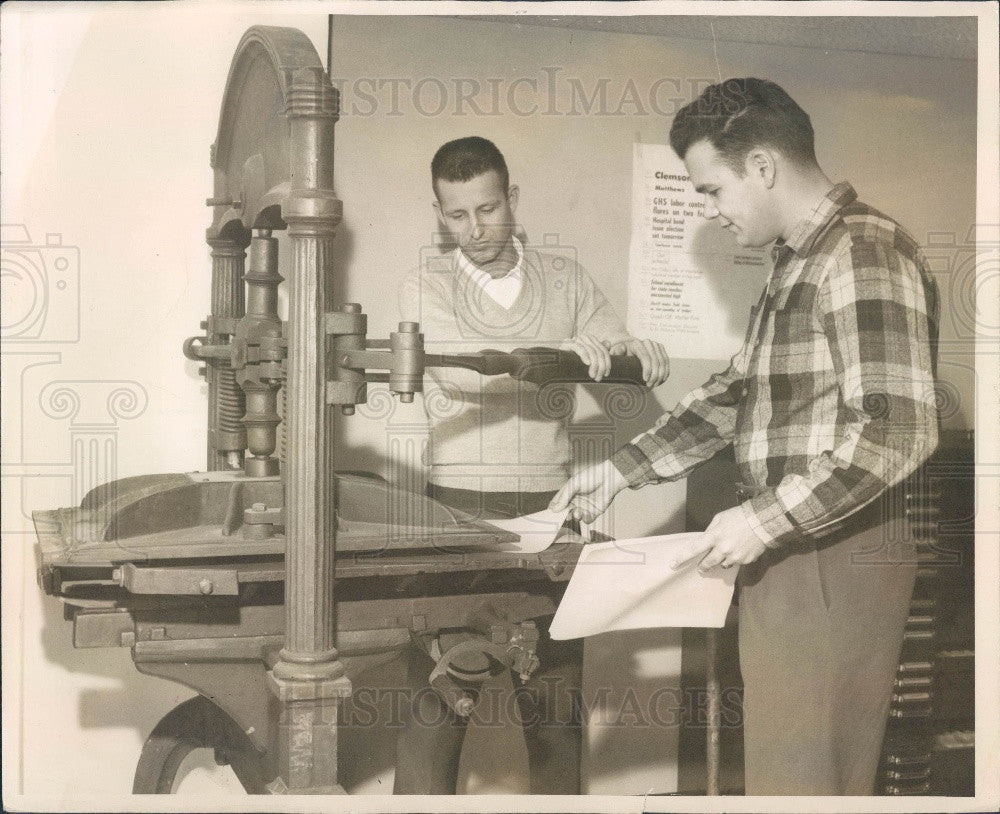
x: 831, y: 399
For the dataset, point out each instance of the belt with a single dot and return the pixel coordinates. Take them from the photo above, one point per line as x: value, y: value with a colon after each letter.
x: 746, y: 492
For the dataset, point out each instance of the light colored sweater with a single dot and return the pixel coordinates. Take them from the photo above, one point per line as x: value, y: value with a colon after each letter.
x: 493, y: 433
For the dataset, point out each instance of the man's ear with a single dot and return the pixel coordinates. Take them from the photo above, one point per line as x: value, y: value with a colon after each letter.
x: 761, y: 164
x: 512, y: 195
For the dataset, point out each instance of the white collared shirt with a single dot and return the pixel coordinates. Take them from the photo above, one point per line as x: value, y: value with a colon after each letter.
x: 502, y: 290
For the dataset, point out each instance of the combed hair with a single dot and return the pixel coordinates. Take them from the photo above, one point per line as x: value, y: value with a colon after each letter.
x: 465, y: 158
x: 739, y: 114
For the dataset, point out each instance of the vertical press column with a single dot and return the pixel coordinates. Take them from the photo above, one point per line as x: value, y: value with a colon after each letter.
x: 308, y: 678
x: 226, y: 405
x: 309, y: 557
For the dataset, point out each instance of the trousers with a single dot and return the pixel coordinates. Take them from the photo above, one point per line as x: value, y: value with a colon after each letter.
x: 821, y: 626
x: 548, y: 706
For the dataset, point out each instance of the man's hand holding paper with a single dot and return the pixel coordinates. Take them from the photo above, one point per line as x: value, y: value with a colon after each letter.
x: 729, y: 539
x: 589, y: 492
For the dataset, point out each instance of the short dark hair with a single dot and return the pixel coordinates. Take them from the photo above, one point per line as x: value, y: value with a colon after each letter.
x: 465, y: 158
x: 739, y: 114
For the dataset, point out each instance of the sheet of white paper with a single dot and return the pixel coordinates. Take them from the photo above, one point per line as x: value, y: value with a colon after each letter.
x: 537, y: 531
x: 627, y: 584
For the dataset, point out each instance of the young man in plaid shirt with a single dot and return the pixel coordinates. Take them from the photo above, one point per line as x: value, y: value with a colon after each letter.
x: 829, y: 405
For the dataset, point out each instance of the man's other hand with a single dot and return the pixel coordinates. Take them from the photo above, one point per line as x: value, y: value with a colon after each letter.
x: 589, y: 492
x: 728, y: 541
x: 593, y: 352
x: 655, y: 362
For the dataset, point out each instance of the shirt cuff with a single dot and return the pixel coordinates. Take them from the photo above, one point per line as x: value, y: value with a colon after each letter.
x: 767, y: 517
x: 634, y: 466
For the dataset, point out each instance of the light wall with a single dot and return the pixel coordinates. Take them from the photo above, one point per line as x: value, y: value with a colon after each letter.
x: 901, y: 129
x: 118, y: 165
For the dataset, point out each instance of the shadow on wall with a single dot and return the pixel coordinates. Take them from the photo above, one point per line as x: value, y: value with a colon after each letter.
x: 341, y: 264
x: 138, y: 702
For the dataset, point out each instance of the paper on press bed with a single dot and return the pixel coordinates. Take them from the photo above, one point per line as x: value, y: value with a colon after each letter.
x: 537, y: 531
x: 627, y: 584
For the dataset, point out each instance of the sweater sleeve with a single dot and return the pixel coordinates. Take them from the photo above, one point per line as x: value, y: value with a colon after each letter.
x: 421, y: 300
x: 594, y: 314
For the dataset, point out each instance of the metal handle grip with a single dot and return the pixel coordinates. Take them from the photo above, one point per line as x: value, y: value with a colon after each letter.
x: 539, y: 365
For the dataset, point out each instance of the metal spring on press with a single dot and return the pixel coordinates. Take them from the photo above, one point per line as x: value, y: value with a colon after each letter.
x: 283, y: 411
x: 232, y: 403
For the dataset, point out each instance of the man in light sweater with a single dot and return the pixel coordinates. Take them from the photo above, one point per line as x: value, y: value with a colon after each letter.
x: 499, y: 447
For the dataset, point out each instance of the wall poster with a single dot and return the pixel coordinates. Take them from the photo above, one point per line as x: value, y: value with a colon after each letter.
x: 690, y: 285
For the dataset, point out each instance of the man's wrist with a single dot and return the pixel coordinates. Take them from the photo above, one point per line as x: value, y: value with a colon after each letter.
x: 767, y: 517
x: 615, y: 479
x: 632, y: 466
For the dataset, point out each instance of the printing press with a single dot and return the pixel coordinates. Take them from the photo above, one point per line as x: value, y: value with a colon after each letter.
x: 270, y: 582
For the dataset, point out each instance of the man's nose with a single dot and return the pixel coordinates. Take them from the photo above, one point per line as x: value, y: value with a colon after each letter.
x: 477, y: 228
x: 710, y: 211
